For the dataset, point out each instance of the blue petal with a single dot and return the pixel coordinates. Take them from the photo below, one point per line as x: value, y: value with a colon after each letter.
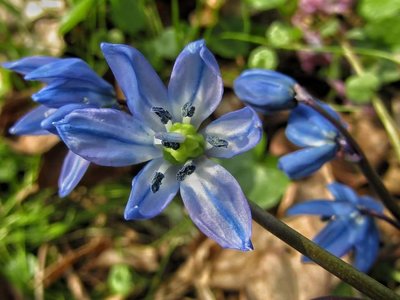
x: 217, y: 206
x: 143, y: 202
x: 139, y: 82
x: 265, y: 90
x: 57, y: 95
x: 336, y: 238
x: 307, y: 128
x: 195, y: 79
x: 73, y: 169
x: 72, y: 70
x: 306, y: 161
x: 31, y: 122
x: 241, y: 129
x: 321, y: 207
x: 366, y: 250
x: 107, y: 137
x: 58, y: 115
x: 29, y: 64
x: 342, y: 192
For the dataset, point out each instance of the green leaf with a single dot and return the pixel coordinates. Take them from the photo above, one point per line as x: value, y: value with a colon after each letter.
x: 227, y: 48
x: 77, y: 14
x: 265, y: 4
x: 329, y: 28
x: 259, y: 178
x: 120, y: 280
x: 360, y: 88
x: 263, y: 58
x: 280, y: 34
x: 386, y: 31
x: 378, y: 9
x: 128, y: 15
x: 166, y: 44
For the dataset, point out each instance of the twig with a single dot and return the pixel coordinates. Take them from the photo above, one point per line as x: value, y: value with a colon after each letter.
x: 329, y: 262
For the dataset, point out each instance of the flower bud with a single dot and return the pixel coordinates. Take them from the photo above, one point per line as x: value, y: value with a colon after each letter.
x: 265, y: 90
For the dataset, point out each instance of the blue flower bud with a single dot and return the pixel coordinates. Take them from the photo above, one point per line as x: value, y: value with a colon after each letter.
x: 265, y: 90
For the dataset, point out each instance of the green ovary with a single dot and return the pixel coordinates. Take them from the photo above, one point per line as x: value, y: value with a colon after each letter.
x: 192, y: 147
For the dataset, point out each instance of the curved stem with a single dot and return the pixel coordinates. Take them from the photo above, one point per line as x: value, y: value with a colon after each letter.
x: 259, y: 40
x: 380, y: 216
x: 329, y: 262
x: 373, y: 178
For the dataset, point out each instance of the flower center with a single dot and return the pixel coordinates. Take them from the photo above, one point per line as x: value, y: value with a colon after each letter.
x: 192, y: 147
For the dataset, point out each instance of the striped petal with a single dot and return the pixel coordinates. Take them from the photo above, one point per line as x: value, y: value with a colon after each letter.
x: 217, y: 205
x: 73, y: 169
x: 30, y: 123
x: 237, y: 131
x: 29, y: 64
x: 195, y: 80
x: 139, y: 82
x: 306, y: 161
x: 107, y: 137
x: 151, y: 194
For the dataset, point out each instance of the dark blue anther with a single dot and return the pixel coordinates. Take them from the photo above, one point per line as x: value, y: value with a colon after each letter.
x: 188, y: 110
x: 162, y: 113
x: 185, y: 171
x: 156, y: 181
x: 172, y: 145
x: 217, y: 142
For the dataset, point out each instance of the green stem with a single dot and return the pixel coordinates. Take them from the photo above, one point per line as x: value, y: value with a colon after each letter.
x: 329, y: 262
x: 383, y: 114
x: 244, y: 37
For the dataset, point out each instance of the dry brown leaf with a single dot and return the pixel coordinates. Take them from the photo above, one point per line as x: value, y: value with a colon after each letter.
x: 141, y: 258
x: 272, y: 271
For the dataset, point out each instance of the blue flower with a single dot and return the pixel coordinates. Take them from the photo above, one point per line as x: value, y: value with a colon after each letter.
x: 71, y: 84
x: 164, y: 129
x: 266, y: 90
x: 319, y: 138
x: 349, y: 227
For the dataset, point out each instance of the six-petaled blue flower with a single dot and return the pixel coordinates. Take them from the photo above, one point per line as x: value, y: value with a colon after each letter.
x: 349, y: 227
x: 266, y: 90
x: 319, y: 139
x: 71, y: 84
x: 164, y: 128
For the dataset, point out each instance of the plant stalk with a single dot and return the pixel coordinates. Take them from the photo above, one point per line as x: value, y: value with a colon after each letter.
x: 329, y: 262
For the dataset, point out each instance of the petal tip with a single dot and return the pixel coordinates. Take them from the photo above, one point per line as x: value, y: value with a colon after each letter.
x: 62, y: 193
x: 12, y: 130
x: 247, y: 246
x: 195, y: 46
x: 7, y: 65
x: 132, y: 213
x: 105, y: 46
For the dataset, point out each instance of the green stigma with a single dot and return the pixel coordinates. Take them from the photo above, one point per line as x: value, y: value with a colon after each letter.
x: 192, y: 147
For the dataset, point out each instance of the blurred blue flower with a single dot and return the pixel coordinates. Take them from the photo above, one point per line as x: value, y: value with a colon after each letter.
x: 71, y: 84
x: 349, y: 227
x: 319, y: 139
x: 265, y: 90
x: 164, y: 129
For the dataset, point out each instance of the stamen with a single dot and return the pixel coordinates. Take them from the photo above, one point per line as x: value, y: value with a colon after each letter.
x: 188, y: 110
x: 186, y: 170
x: 174, y: 137
x: 168, y: 125
x: 217, y: 142
x: 172, y: 145
x: 162, y: 113
x: 156, y: 181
